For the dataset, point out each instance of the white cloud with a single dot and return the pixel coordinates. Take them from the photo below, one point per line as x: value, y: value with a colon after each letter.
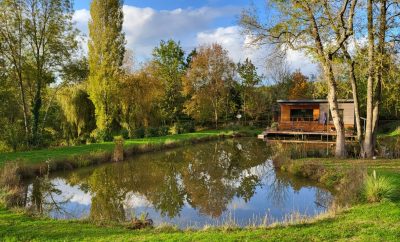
x: 298, y: 60
x: 81, y: 18
x: 239, y: 48
x: 146, y: 27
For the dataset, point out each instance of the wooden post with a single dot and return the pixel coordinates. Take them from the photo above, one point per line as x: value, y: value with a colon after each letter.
x: 119, y: 149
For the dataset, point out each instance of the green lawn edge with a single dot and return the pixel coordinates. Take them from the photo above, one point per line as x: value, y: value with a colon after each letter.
x: 35, y: 157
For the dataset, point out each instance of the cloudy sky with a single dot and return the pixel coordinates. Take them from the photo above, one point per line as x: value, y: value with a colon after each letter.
x: 193, y: 23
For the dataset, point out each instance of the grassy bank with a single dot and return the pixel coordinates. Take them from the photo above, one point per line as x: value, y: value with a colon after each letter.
x: 365, y: 222
x: 37, y: 157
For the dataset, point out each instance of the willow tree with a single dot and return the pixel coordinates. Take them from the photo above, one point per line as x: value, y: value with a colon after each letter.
x: 106, y: 54
x: 307, y: 26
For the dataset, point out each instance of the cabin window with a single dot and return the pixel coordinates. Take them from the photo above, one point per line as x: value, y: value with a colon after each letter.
x: 301, y: 114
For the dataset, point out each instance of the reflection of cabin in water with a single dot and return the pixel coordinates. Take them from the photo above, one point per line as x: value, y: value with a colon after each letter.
x: 309, y: 120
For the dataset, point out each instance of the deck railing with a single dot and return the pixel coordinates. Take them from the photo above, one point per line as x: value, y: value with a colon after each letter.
x: 308, y: 126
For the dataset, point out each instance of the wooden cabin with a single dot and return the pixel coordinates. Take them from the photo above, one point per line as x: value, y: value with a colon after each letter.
x: 311, y: 117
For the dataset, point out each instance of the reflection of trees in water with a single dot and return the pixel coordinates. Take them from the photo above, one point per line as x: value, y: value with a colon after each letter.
x: 42, y: 197
x: 206, y: 176
x: 279, y: 189
x: 108, y: 194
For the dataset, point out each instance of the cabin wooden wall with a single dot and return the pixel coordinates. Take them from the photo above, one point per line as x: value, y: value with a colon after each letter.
x: 348, y: 112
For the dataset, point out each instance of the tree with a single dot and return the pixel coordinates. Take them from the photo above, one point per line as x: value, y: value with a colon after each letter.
x: 249, y: 80
x: 38, y: 36
x: 302, y: 25
x: 169, y: 63
x: 207, y: 83
x: 77, y: 109
x: 13, y: 48
x: 51, y: 37
x: 300, y: 88
x: 106, y: 54
x: 140, y: 96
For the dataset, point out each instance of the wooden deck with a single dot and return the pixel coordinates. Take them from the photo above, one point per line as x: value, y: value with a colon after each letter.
x: 304, y: 132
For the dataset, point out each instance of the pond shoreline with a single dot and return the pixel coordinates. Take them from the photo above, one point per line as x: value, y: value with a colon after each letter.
x: 26, y: 170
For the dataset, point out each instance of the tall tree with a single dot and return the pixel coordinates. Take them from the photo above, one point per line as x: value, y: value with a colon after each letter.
x: 170, y: 66
x: 302, y: 25
x: 13, y: 48
x: 249, y: 80
x: 39, y: 36
x: 106, y: 54
x: 207, y: 82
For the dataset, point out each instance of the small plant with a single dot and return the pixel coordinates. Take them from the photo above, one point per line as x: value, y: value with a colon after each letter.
x: 377, y: 189
x: 274, y: 126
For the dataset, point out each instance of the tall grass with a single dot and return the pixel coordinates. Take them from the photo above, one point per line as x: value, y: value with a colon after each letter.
x: 378, y: 189
x: 11, y: 191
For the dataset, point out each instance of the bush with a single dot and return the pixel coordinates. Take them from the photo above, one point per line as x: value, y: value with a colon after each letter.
x: 377, y: 189
x: 164, y: 131
x: 139, y: 133
x: 103, y: 135
x: 188, y: 127
x: 152, y: 132
x: 124, y: 133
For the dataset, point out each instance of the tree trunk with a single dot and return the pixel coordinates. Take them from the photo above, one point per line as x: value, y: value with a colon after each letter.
x: 37, y: 104
x: 381, y: 64
x: 368, y: 141
x: 353, y: 82
x: 340, y: 150
x: 326, y: 61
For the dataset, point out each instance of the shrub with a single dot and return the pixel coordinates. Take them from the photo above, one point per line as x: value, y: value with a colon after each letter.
x: 377, y: 189
x: 124, y: 133
x: 103, y: 135
x: 164, y: 131
x: 188, y: 127
x: 139, y: 133
x: 152, y: 132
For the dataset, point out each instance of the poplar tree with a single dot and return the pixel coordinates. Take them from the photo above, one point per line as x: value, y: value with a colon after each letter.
x: 106, y: 54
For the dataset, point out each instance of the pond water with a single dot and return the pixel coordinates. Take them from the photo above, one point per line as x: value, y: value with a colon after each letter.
x: 205, y: 184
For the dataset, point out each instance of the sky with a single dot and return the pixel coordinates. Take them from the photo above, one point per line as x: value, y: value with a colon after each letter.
x: 193, y: 23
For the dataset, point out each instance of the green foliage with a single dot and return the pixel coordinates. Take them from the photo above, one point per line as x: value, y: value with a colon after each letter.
x: 152, y: 132
x: 139, y: 133
x: 164, y: 130
x: 208, y: 83
x: 106, y: 53
x: 78, y: 110
x: 378, y: 189
x: 169, y: 63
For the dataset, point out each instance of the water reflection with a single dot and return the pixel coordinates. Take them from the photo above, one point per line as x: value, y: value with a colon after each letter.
x: 202, y: 184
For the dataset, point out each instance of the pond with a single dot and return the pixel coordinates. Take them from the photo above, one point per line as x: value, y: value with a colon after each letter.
x: 205, y: 184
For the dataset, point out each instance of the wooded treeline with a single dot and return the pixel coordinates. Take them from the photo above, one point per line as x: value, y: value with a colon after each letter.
x: 52, y: 94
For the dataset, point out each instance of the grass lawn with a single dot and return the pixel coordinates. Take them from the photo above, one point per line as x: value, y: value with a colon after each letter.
x: 39, y: 156
x: 365, y: 222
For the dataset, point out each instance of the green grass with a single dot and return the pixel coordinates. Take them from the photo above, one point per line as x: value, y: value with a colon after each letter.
x: 365, y: 222
x: 39, y: 156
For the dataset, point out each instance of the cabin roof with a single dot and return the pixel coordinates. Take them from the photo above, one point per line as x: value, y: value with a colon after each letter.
x: 314, y: 101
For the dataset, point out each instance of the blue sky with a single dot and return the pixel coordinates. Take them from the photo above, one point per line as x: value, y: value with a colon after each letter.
x: 193, y: 23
